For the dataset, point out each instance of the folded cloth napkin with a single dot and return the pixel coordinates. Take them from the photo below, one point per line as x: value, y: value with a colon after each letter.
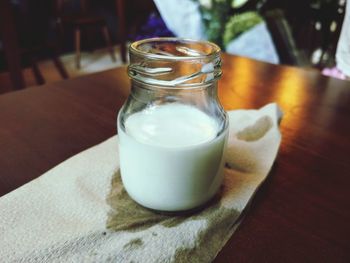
x: 79, y: 211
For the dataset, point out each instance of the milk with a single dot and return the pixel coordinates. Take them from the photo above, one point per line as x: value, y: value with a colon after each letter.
x: 171, y: 158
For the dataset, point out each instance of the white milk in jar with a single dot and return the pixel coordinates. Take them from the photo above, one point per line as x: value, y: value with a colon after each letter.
x: 171, y: 156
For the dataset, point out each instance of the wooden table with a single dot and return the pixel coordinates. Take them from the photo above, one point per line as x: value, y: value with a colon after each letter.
x: 300, y: 214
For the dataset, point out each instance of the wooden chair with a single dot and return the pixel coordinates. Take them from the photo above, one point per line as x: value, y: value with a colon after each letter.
x: 10, y: 45
x: 16, y: 51
x: 81, y: 21
x: 283, y: 39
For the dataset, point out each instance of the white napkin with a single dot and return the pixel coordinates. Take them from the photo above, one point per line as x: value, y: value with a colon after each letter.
x: 73, y: 214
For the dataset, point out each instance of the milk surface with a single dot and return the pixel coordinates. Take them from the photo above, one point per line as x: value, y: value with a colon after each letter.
x: 171, y: 158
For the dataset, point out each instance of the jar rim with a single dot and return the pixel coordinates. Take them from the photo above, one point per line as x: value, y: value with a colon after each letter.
x: 135, y: 48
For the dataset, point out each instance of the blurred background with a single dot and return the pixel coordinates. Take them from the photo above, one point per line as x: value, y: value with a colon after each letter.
x: 43, y: 41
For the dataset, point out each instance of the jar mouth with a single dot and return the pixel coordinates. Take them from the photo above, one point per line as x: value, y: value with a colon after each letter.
x: 172, y: 48
x: 174, y: 62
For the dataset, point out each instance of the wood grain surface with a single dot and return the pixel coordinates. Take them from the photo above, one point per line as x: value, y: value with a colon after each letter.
x: 300, y: 214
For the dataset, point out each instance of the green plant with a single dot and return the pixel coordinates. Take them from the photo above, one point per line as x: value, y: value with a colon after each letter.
x: 223, y: 22
x: 239, y: 23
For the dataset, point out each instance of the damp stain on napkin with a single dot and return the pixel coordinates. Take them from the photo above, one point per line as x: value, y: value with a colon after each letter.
x: 246, y: 143
x: 133, y: 243
x: 126, y: 215
x: 256, y: 131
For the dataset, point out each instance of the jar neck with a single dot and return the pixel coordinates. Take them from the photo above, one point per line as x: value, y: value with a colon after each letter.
x: 145, y: 93
x: 174, y: 74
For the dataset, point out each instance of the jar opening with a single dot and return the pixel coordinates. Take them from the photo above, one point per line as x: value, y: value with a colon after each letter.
x: 174, y: 49
x: 174, y: 62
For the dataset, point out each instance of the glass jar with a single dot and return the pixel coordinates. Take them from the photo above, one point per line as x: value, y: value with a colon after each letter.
x: 172, y: 128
